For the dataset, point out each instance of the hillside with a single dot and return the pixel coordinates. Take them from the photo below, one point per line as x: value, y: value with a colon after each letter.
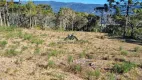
x: 30, y: 54
x: 79, y: 7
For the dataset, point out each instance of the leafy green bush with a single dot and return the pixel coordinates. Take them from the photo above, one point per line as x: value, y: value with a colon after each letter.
x: 123, y: 68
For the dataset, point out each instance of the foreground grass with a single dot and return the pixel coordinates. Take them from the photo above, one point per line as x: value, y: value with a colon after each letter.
x: 92, y: 57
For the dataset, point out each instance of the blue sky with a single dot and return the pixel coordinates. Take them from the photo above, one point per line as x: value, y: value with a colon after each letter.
x: 78, y: 1
x: 83, y: 1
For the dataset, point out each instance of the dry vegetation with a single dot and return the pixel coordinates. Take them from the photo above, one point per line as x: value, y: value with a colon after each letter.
x: 44, y: 55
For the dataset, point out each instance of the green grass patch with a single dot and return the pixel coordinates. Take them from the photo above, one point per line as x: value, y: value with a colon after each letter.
x: 52, y: 44
x: 37, y: 50
x: 51, y: 64
x: 10, y: 53
x: 92, y: 75
x: 123, y: 67
x: 3, y: 44
x: 76, y: 68
x: 125, y: 53
x: 82, y: 55
x: 70, y: 59
x: 37, y: 41
x: 27, y: 36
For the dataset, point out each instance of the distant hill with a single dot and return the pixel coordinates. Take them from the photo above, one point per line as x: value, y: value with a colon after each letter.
x: 79, y: 7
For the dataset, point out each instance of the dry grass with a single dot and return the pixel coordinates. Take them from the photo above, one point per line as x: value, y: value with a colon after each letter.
x: 44, y: 55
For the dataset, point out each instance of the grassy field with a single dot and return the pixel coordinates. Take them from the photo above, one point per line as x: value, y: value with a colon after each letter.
x: 30, y: 54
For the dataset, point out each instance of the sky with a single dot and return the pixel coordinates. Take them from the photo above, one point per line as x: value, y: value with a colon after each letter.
x: 78, y: 1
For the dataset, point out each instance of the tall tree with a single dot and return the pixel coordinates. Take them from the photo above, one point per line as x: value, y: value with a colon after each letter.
x: 126, y: 7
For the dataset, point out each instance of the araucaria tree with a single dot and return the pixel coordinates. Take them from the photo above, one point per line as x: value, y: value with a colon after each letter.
x: 124, y: 14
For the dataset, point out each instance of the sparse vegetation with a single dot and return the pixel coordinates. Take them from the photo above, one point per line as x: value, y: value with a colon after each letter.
x: 37, y: 41
x: 27, y: 36
x: 136, y: 49
x: 3, y: 43
x: 82, y: 55
x: 51, y: 64
x: 70, y: 59
x: 123, y: 67
x: 111, y: 76
x: 52, y: 44
x: 76, y: 68
x: 124, y: 52
x: 34, y: 41
x: 120, y: 48
x: 37, y: 50
x: 10, y: 53
x: 92, y: 75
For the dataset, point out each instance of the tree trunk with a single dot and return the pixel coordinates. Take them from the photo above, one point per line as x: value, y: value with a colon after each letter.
x: 132, y: 32
x: 30, y: 21
x: 7, y: 15
x: 126, y: 23
x: 4, y: 19
x: 72, y: 25
x: 35, y: 22
x: 1, y: 23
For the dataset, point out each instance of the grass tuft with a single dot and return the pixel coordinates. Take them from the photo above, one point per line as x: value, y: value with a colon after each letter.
x: 3, y: 43
x: 123, y: 68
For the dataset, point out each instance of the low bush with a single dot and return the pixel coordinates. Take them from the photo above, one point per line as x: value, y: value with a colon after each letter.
x: 123, y: 67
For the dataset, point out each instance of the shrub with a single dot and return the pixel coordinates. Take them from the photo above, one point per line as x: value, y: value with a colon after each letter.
x: 123, y: 68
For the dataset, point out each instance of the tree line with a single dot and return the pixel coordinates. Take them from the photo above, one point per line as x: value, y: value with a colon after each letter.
x: 41, y: 16
x: 125, y: 18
